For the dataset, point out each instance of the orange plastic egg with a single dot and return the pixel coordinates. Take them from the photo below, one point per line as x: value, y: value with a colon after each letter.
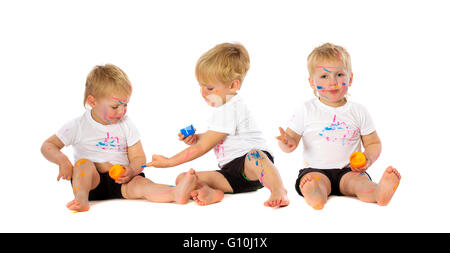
x: 115, y: 171
x: 357, y: 160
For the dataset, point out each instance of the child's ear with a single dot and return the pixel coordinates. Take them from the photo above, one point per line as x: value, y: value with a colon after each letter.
x: 91, y: 101
x: 235, y: 85
x: 311, y: 83
x: 351, y: 79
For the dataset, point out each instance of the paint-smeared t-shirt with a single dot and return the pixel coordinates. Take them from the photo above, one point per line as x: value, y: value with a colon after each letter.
x: 330, y: 134
x: 97, y: 142
x: 234, y: 119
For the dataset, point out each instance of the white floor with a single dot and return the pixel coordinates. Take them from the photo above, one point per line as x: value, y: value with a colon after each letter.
x: 38, y: 205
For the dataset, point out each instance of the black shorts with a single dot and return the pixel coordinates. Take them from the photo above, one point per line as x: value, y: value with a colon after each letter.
x: 334, y: 175
x: 107, y: 188
x: 234, y: 174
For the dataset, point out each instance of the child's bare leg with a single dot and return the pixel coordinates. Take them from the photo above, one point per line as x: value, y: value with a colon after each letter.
x: 210, y: 187
x: 359, y: 185
x: 84, y: 178
x: 315, y: 188
x: 259, y: 167
x: 143, y: 188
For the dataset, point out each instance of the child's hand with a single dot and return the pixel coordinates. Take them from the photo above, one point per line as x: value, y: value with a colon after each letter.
x: 191, y: 139
x: 159, y: 161
x: 126, y: 176
x: 285, y: 141
x: 364, y: 168
x: 65, y: 169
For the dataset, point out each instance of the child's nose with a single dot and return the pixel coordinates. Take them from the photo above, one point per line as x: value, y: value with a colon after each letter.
x: 333, y: 81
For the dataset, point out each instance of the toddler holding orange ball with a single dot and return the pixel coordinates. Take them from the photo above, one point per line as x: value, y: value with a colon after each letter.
x: 333, y: 129
x: 108, y: 153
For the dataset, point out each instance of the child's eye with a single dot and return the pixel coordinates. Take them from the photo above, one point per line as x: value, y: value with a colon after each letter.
x: 341, y: 74
x: 115, y: 107
x: 210, y: 89
x: 323, y: 76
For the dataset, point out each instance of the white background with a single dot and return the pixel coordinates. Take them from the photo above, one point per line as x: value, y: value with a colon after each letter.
x: 399, y: 50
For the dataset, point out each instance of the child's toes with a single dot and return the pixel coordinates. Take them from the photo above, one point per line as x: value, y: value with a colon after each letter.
x: 194, y: 194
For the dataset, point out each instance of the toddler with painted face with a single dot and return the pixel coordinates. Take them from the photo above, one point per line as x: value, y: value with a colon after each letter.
x: 332, y: 129
x: 102, y: 137
x: 245, y: 162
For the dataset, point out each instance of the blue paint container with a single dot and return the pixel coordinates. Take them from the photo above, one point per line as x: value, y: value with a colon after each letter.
x: 189, y: 130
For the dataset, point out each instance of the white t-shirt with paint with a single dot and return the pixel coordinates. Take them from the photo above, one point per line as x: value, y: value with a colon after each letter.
x: 97, y: 142
x: 330, y: 134
x: 234, y: 119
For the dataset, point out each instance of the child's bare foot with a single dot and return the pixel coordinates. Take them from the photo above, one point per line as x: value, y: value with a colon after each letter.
x: 387, y: 186
x: 184, y: 188
x: 78, y: 206
x: 277, y: 199
x: 312, y: 193
x: 207, y: 195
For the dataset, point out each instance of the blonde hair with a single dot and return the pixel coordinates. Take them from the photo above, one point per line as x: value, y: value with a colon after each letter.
x: 223, y: 63
x: 328, y: 52
x: 103, y: 80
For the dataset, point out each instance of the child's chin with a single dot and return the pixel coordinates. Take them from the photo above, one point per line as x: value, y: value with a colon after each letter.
x: 332, y: 100
x: 114, y: 121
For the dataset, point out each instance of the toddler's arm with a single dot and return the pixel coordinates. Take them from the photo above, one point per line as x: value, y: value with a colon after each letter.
x: 372, y: 149
x: 51, y: 149
x: 288, y: 140
x: 204, y: 143
x: 137, y: 158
